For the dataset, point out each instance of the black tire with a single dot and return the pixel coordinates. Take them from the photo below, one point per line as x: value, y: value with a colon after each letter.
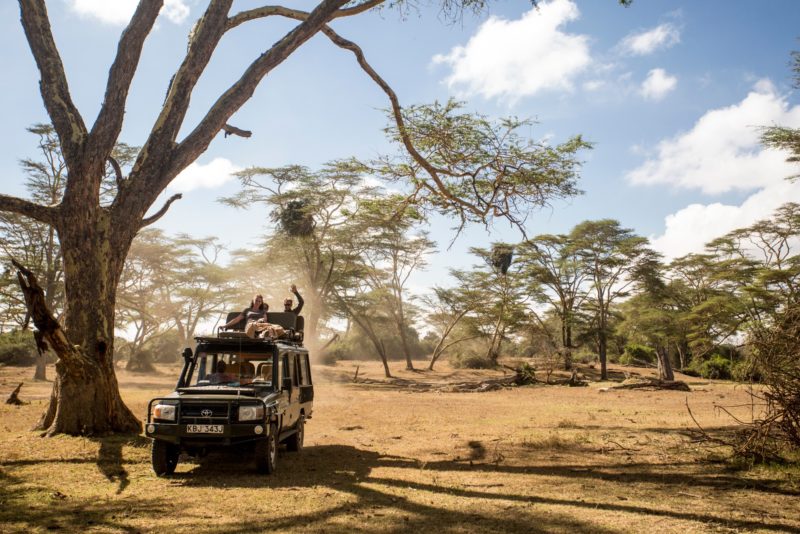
x: 294, y: 442
x: 266, y: 452
x: 164, y: 457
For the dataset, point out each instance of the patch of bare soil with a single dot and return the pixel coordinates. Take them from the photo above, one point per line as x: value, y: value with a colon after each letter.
x: 384, y: 457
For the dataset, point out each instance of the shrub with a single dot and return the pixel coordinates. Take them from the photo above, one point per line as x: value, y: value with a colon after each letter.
x: 636, y: 354
x: 471, y: 361
x: 17, y: 348
x: 165, y: 348
x: 584, y: 356
x: 716, y: 367
x: 746, y: 370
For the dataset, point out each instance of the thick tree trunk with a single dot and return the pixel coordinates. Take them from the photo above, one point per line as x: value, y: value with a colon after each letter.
x: 401, y: 329
x: 664, y: 364
x: 602, y: 346
x: 311, y: 332
x: 494, y: 347
x: 85, y: 400
x: 85, y: 397
x: 41, y: 368
x: 406, y: 350
x: 567, y: 342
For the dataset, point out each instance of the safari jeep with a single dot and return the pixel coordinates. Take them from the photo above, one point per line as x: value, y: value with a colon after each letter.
x: 238, y: 393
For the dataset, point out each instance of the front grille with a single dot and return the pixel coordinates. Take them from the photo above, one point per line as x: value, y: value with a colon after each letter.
x: 199, y: 413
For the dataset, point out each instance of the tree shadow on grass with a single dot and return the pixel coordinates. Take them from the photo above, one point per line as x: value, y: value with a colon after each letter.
x: 350, y: 470
x: 25, y: 507
x: 109, y: 457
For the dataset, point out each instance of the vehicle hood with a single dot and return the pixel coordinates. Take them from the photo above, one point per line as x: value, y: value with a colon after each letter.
x: 222, y: 393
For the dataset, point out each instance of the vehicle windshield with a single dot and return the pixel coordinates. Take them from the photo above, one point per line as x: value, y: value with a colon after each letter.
x: 233, y: 369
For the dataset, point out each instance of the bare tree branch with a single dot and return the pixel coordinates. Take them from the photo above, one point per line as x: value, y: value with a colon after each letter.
x: 441, y: 188
x: 45, y: 214
x: 54, y: 88
x: 268, y: 11
x: 160, y: 213
x: 233, y: 130
x: 241, y: 91
x: 203, y: 41
x: 109, y: 121
x: 117, y: 171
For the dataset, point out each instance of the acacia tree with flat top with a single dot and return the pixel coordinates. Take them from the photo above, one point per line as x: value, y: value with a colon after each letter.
x: 95, y: 237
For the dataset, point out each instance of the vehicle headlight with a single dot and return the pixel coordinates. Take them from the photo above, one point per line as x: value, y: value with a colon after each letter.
x: 164, y: 411
x: 250, y: 413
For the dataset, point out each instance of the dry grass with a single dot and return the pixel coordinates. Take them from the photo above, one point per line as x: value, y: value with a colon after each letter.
x: 382, y: 459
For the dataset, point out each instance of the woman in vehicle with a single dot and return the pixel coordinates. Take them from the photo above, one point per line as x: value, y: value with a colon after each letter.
x: 257, y: 310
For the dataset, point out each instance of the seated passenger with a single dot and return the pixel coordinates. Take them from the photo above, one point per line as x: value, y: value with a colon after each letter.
x: 247, y: 373
x: 220, y: 376
x: 257, y: 310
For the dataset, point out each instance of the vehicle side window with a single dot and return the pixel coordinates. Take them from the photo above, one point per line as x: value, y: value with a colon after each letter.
x: 293, y: 369
x: 305, y: 376
x: 283, y: 368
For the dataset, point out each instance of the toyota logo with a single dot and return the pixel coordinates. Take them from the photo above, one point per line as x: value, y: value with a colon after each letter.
x: 206, y: 413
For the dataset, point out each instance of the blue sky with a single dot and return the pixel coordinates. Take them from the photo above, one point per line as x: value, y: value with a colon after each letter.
x: 670, y: 92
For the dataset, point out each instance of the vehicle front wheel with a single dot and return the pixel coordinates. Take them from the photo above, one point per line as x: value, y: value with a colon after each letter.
x: 266, y: 452
x: 165, y: 457
x: 295, y: 441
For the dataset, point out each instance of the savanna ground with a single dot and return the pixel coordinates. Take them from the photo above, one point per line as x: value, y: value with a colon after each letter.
x: 382, y: 458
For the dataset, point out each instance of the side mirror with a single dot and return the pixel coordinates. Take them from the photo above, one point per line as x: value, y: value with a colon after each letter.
x: 187, y: 353
x: 286, y: 384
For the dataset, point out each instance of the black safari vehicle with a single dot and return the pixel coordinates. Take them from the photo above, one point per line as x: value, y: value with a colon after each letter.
x: 236, y: 392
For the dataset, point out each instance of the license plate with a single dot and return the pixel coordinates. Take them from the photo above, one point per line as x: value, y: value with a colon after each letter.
x: 205, y: 429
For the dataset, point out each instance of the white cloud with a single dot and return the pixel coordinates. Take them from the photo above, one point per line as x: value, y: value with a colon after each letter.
x: 647, y: 42
x: 593, y: 85
x: 689, y: 229
x: 722, y: 152
x: 209, y: 176
x: 658, y: 84
x: 520, y: 57
x: 119, y: 12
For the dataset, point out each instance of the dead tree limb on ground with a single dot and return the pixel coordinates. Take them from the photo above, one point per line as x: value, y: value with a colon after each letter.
x: 651, y: 383
x: 14, y: 397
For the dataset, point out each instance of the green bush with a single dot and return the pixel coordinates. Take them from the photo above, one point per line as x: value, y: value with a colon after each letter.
x: 471, y: 360
x: 165, y: 348
x: 716, y: 367
x: 636, y: 354
x: 18, y: 348
x: 584, y: 356
x: 746, y: 370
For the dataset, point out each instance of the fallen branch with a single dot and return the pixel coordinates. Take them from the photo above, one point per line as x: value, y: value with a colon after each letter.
x: 649, y: 383
x: 703, y: 432
x: 14, y: 397
x: 622, y: 446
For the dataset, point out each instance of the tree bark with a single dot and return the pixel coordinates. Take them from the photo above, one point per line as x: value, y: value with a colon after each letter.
x: 664, y: 365
x: 85, y: 398
x: 602, y: 349
x: 567, y: 341
x: 401, y: 329
x: 41, y: 368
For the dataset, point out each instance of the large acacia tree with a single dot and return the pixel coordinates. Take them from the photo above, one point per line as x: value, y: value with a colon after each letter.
x: 95, y: 237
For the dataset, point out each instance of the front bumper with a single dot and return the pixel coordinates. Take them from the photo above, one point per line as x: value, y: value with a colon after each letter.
x: 204, y: 412
x: 232, y: 434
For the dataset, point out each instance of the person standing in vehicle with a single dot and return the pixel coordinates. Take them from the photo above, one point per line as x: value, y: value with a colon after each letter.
x: 257, y: 310
x: 287, y: 303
